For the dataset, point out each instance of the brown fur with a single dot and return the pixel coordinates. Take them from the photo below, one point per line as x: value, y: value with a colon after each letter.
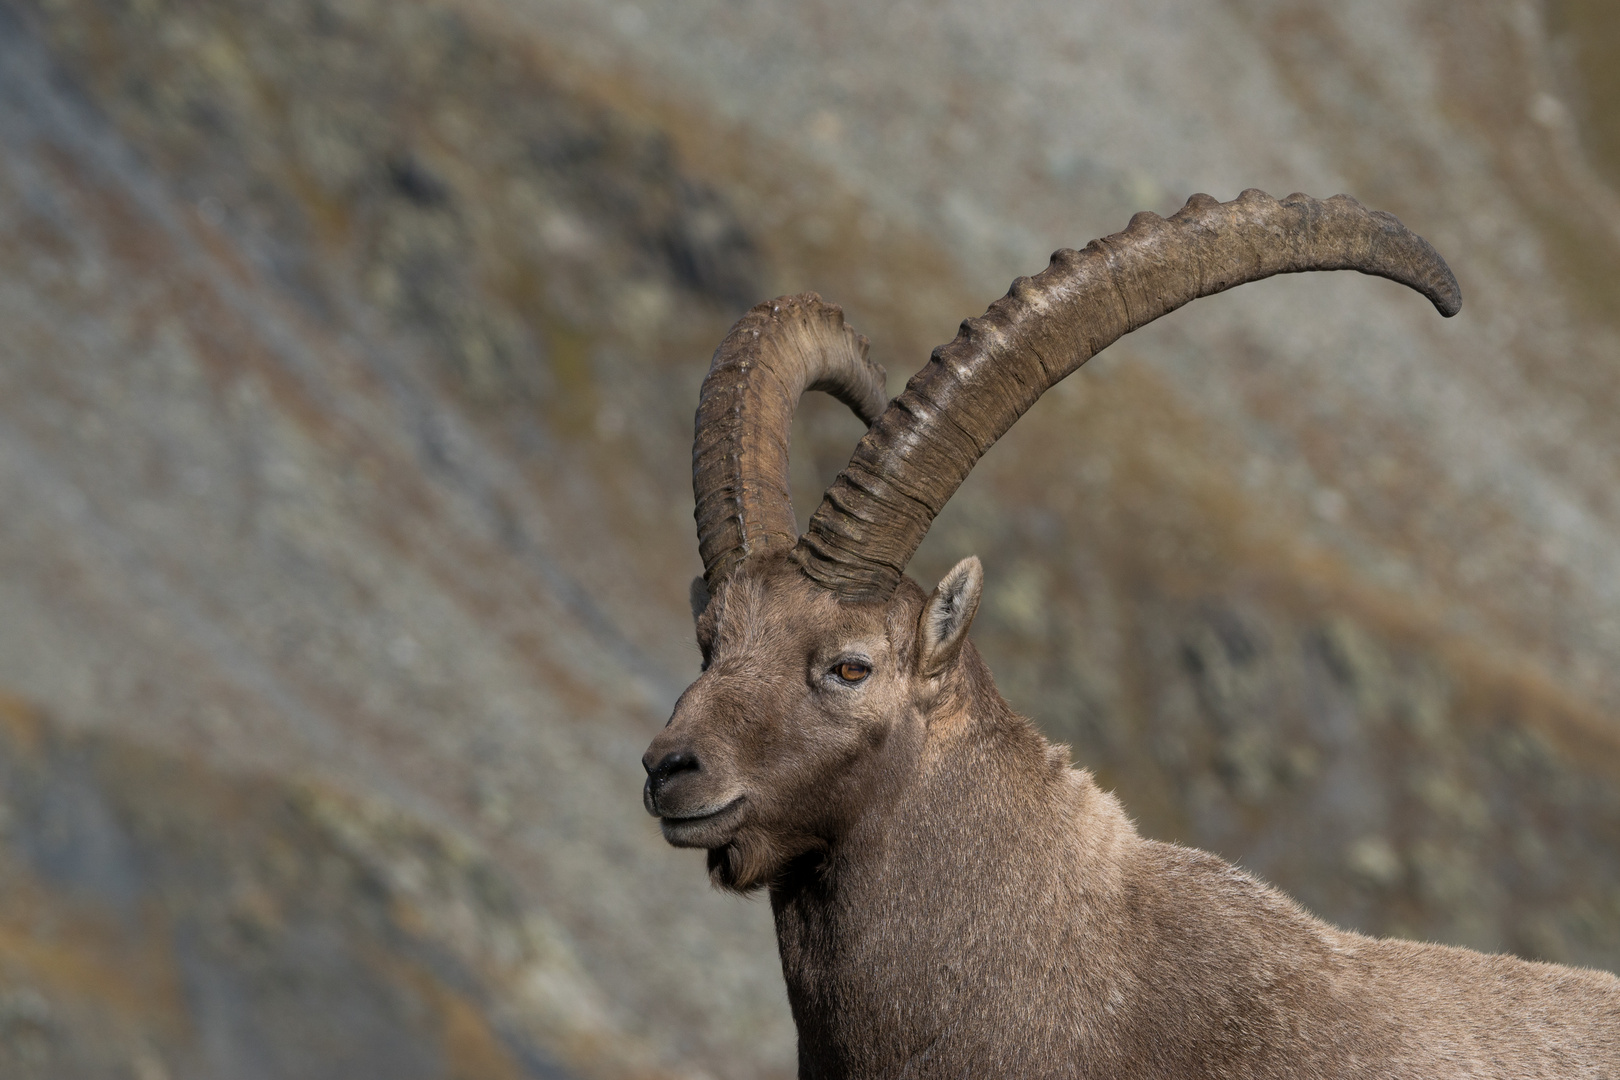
x: 953, y: 900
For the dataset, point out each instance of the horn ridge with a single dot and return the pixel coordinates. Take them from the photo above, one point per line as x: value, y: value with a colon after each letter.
x: 976, y: 386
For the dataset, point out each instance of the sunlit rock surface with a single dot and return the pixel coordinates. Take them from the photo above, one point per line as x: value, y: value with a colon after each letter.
x: 347, y: 360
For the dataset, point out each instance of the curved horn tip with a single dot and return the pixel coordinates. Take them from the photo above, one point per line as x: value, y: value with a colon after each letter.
x: 1443, y: 291
x: 1448, y: 300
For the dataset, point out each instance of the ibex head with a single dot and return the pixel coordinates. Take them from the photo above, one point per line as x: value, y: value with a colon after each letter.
x: 824, y: 666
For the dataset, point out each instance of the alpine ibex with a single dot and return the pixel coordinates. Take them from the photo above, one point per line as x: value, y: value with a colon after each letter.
x: 951, y: 898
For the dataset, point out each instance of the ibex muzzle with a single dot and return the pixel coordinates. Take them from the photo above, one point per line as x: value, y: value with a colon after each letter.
x: 951, y: 898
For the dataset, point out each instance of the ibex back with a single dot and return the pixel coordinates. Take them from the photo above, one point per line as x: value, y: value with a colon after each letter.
x: 951, y: 898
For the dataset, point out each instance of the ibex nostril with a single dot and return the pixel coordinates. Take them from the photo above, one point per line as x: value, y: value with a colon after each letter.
x: 677, y: 761
x: 673, y: 762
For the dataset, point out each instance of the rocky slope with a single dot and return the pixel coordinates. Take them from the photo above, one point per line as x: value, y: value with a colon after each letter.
x: 348, y: 358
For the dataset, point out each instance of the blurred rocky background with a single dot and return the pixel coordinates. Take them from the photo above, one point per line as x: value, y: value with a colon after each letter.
x: 348, y: 352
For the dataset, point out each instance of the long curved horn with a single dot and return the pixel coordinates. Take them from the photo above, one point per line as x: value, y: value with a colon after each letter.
x: 773, y: 354
x: 971, y: 391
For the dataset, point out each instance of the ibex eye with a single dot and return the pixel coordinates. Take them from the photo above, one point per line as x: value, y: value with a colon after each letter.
x: 852, y: 671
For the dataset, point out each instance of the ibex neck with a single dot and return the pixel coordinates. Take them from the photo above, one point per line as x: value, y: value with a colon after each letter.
x: 888, y: 943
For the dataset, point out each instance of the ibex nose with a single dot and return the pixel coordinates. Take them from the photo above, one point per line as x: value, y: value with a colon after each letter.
x: 676, y: 761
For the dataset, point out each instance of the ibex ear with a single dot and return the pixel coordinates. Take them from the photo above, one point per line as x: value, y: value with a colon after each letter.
x: 948, y: 614
x: 699, y: 597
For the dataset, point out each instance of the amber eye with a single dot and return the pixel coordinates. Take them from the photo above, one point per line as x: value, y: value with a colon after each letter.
x: 852, y: 671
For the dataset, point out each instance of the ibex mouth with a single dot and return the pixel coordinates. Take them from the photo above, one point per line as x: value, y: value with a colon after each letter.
x: 706, y: 828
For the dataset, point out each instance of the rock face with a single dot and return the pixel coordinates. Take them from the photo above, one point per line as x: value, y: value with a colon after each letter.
x: 347, y: 354
x: 164, y: 919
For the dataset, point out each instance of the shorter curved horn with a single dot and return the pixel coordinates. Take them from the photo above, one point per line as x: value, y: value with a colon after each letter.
x: 773, y: 354
x: 912, y: 460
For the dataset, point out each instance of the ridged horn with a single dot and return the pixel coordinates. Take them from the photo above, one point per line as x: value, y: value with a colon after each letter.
x: 773, y: 354
x: 919, y: 451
